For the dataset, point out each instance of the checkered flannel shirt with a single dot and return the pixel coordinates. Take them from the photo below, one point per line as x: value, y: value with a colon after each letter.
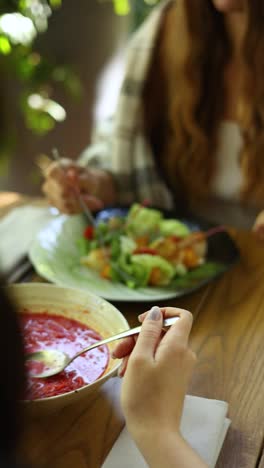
x: 120, y: 147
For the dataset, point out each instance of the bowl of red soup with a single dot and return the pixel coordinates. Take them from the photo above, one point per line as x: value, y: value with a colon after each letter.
x: 54, y: 317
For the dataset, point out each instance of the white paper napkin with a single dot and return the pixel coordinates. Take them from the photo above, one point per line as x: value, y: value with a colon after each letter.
x: 204, y: 425
x: 17, y: 230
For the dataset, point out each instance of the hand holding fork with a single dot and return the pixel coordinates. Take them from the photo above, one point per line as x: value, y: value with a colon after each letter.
x: 66, y: 181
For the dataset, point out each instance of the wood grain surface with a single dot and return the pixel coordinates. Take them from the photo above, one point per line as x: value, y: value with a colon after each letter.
x: 228, y: 338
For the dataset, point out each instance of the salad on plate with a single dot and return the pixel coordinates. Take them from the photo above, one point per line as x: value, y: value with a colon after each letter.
x: 143, y: 248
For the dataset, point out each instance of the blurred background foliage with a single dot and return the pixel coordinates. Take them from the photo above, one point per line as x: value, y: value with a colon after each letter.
x: 139, y: 9
x: 21, y: 22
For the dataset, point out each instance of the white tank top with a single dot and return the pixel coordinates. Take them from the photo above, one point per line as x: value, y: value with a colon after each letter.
x: 224, y: 207
x: 228, y: 179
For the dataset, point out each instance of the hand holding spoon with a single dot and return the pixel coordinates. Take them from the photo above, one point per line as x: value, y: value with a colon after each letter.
x: 54, y: 361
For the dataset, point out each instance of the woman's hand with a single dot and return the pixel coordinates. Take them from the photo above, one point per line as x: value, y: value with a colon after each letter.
x: 157, y: 374
x: 258, y: 227
x: 158, y: 369
x: 66, y: 181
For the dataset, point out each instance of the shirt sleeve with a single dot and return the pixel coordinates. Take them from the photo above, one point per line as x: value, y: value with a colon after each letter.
x: 98, y: 154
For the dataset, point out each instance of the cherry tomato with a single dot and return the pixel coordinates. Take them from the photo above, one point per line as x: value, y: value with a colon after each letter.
x: 88, y: 232
x: 145, y: 250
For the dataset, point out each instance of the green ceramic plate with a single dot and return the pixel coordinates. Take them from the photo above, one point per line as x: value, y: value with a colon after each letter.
x: 55, y: 256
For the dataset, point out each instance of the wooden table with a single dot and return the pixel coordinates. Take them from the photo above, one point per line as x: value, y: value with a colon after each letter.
x: 228, y: 337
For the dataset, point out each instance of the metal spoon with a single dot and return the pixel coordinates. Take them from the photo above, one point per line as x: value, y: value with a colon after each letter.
x: 55, y: 361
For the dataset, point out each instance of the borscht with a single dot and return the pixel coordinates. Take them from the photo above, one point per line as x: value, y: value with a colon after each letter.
x: 45, y: 331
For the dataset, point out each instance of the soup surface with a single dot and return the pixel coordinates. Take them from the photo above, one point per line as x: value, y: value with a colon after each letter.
x: 45, y: 331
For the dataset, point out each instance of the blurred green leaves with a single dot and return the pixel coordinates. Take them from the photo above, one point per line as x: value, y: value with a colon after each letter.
x: 123, y: 7
x: 139, y: 9
x: 21, y: 21
x: 5, y: 46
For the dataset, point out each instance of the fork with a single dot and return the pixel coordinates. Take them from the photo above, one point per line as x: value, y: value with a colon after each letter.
x: 89, y: 216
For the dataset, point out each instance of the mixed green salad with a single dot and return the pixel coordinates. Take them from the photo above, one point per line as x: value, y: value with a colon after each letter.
x: 145, y: 249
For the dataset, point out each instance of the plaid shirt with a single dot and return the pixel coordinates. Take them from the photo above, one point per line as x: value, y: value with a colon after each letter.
x: 120, y: 147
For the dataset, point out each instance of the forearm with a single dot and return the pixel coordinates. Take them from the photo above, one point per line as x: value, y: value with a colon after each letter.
x: 169, y: 451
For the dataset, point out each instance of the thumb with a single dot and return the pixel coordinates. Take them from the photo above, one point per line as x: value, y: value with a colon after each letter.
x: 149, y: 336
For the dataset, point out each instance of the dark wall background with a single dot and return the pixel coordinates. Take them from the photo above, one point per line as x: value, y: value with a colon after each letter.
x: 84, y: 33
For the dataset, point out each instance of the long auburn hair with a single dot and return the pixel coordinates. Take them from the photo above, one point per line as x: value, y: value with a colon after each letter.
x: 197, y: 105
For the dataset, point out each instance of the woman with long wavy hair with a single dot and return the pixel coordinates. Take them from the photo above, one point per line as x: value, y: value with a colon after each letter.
x: 188, y: 130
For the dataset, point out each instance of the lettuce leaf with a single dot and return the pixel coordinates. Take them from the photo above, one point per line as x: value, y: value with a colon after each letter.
x: 173, y: 227
x: 142, y: 221
x: 132, y: 275
x: 149, y: 262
